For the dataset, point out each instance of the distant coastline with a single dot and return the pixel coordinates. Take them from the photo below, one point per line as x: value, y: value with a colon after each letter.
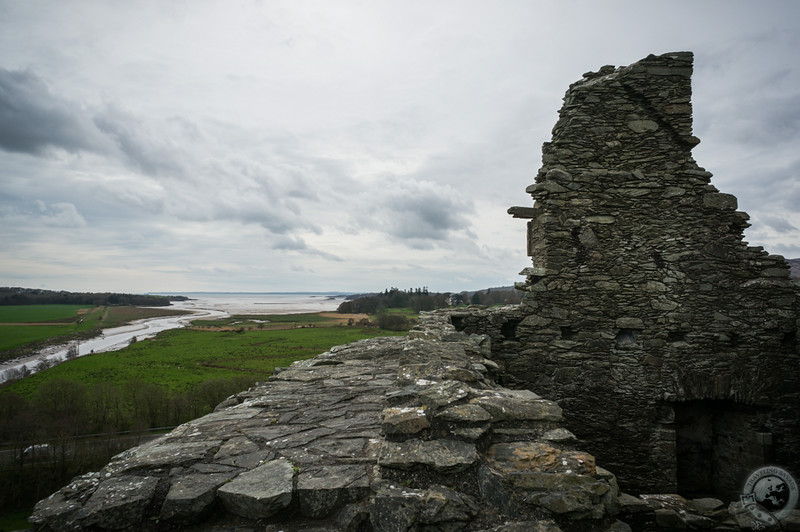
x: 300, y: 293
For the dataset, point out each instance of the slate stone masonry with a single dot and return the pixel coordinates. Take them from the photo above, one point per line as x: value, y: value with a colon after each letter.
x: 669, y: 342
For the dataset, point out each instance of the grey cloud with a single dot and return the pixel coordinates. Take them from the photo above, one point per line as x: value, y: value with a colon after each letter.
x: 295, y: 243
x: 789, y: 251
x: 781, y: 225
x: 60, y: 214
x: 421, y: 212
x: 39, y: 213
x: 782, y: 120
x: 303, y: 189
x: 766, y: 121
x: 290, y: 243
x: 33, y: 119
x: 228, y: 193
x: 133, y: 139
x: 778, y: 187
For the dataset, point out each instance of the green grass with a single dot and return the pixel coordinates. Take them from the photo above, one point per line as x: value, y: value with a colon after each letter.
x: 180, y: 358
x: 116, y: 316
x: 39, y: 313
x: 310, y: 317
x: 405, y: 311
x: 248, y: 321
x: 49, y: 321
x: 13, y: 336
x: 26, y: 324
x: 15, y: 521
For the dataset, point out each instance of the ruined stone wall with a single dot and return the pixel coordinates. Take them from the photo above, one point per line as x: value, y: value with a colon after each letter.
x: 643, y: 305
x: 387, y: 434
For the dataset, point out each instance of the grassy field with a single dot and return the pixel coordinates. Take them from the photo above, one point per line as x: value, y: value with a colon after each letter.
x: 25, y: 324
x: 41, y: 313
x: 21, y: 325
x: 180, y: 358
x: 271, y: 321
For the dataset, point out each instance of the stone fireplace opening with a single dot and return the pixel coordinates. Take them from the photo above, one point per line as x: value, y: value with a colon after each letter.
x: 718, y: 443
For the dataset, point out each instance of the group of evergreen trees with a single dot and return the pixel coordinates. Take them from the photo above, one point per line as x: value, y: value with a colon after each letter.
x: 421, y: 299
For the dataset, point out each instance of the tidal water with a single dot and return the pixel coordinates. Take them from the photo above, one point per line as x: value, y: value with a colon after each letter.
x: 202, y: 305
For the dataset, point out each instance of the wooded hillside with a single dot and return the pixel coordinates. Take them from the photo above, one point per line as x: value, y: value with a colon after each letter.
x: 36, y: 296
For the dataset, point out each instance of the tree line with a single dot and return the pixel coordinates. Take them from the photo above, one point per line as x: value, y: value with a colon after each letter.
x: 36, y: 296
x: 420, y: 299
x: 45, y: 440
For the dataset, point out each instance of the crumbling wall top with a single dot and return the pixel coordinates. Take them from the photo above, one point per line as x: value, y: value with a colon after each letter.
x: 634, y: 117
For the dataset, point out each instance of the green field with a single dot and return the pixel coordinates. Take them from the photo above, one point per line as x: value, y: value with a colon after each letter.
x: 40, y: 313
x: 25, y: 324
x: 271, y: 321
x: 21, y: 325
x: 178, y: 359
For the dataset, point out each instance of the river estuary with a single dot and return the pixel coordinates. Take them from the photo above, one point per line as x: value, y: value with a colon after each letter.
x: 206, y: 305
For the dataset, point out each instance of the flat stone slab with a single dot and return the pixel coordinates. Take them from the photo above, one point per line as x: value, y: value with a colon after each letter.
x: 261, y: 492
x: 159, y: 453
x: 118, y: 502
x: 443, y: 456
x: 505, y: 408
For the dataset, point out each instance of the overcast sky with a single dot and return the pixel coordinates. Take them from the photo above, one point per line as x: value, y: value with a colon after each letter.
x: 345, y: 145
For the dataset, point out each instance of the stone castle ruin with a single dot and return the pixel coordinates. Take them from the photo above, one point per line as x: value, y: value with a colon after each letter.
x: 669, y: 342
x: 652, y: 341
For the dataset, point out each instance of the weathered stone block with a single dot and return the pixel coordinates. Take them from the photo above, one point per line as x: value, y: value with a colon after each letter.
x: 321, y: 490
x: 404, y: 420
x: 718, y: 200
x: 190, y: 497
x: 516, y: 409
x: 159, y: 453
x: 443, y: 456
x: 118, y: 502
x: 438, y: 508
x: 57, y: 511
x: 598, y: 219
x: 539, y: 456
x: 261, y: 492
x: 468, y: 413
x: 643, y: 126
x: 629, y: 323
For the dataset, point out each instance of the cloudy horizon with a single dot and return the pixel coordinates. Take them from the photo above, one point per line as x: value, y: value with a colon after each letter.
x: 299, y: 145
